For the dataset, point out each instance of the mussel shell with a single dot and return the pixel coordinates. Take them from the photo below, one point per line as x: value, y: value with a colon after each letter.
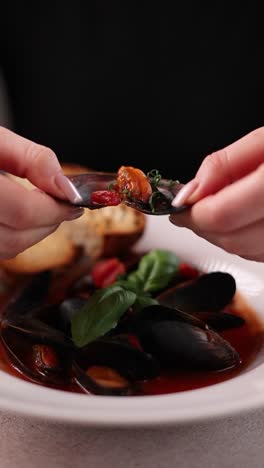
x: 90, y: 385
x: 83, y: 287
x: 20, y: 352
x: 159, y: 313
x: 209, y: 292
x: 221, y: 321
x: 132, y: 363
x: 183, y: 344
x: 67, y: 310
x: 41, y: 325
x: 30, y: 296
x: 91, y: 182
x: 86, y: 184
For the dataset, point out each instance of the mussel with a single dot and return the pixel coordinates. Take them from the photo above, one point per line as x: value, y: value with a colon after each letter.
x: 180, y: 341
x: 29, y: 334
x: 67, y: 309
x: 37, y: 338
x: 37, y: 341
x: 29, y: 295
x: 123, y: 364
x: 221, y: 321
x: 87, y: 184
x: 209, y: 292
x: 41, y: 363
x: 102, y: 380
x: 205, y: 297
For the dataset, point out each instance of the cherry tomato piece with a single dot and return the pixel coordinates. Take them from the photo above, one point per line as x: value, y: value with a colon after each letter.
x: 188, y: 271
x: 105, y: 197
x: 106, y: 272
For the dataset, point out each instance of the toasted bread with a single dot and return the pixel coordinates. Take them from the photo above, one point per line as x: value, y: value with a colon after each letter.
x: 53, y: 251
x: 109, y: 231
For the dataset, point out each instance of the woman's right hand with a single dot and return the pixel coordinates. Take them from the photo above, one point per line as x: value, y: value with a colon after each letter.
x: 26, y: 217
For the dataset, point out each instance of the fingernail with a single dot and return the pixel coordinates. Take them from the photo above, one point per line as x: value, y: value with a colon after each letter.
x: 184, y: 194
x: 74, y: 214
x: 67, y: 187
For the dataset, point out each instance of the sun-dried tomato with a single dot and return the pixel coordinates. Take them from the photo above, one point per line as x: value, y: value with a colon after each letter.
x: 105, y: 197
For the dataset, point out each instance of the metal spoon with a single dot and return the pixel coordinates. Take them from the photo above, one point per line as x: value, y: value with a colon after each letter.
x: 86, y: 184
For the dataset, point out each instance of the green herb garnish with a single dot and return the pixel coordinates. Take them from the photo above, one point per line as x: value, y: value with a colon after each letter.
x: 154, y: 177
x: 100, y: 314
x: 104, y: 309
x: 155, y: 271
x: 112, y: 186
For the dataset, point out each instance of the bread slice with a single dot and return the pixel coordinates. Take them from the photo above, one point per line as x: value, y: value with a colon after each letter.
x: 53, y: 251
x: 109, y: 231
x: 120, y: 227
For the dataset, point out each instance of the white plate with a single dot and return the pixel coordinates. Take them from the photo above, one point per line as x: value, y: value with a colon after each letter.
x: 236, y: 395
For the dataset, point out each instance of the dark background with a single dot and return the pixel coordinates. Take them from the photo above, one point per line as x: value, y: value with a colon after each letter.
x: 147, y: 84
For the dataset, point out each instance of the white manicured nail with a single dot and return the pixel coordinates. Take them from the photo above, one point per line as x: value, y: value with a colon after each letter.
x: 183, y: 195
x: 67, y: 187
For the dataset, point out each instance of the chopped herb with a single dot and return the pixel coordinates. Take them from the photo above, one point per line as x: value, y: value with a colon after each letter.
x: 112, y: 186
x: 154, y: 177
x: 153, y: 199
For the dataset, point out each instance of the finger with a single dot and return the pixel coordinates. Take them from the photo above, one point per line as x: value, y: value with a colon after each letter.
x: 13, y: 242
x: 224, y: 167
x: 37, y: 163
x: 235, y: 206
x: 24, y: 209
x: 246, y: 242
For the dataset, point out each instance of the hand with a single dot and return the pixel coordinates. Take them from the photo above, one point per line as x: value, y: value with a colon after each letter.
x: 26, y: 216
x: 227, y: 198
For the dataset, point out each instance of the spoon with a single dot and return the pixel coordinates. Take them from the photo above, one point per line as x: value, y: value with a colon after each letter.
x: 86, y: 184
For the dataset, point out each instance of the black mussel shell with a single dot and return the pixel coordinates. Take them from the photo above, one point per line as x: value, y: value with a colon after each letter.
x: 111, y: 384
x: 131, y: 364
x: 32, y: 295
x: 209, y: 292
x: 160, y: 203
x: 67, y: 310
x: 83, y: 287
x: 120, y: 355
x: 41, y: 325
x: 39, y: 362
x: 221, y: 321
x: 158, y: 313
x: 183, y: 344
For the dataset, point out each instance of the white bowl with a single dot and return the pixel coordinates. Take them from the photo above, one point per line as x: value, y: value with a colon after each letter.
x: 242, y: 393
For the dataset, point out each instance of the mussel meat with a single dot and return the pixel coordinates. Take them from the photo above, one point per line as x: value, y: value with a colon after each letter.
x: 40, y: 363
x: 120, y: 363
x: 96, y: 182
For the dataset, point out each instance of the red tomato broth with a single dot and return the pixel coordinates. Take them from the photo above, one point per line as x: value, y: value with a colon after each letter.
x: 247, y: 340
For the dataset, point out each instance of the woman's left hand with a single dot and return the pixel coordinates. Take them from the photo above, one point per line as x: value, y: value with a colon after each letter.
x: 226, y: 198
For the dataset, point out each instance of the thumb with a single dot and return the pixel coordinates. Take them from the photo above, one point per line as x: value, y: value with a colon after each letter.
x: 37, y: 163
x: 224, y: 167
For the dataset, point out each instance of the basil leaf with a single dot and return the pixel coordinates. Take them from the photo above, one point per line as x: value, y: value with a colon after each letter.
x: 155, y: 270
x: 100, y: 314
x: 144, y: 301
x: 129, y: 285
